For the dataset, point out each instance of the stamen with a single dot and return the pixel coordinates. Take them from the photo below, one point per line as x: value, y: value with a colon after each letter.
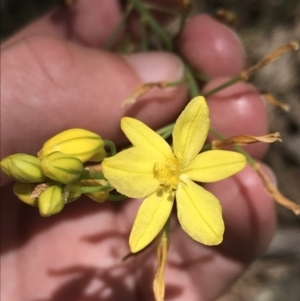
x: 168, y: 173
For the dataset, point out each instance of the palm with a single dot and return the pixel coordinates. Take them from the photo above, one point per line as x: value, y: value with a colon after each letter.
x: 77, y: 254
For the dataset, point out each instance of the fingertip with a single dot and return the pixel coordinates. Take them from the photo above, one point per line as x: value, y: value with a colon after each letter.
x: 212, y: 47
x: 94, y: 21
x: 238, y: 110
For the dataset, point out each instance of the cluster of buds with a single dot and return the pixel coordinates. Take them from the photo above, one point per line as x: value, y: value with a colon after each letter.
x: 57, y: 175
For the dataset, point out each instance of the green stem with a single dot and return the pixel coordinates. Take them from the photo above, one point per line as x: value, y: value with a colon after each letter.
x: 144, y: 40
x: 91, y: 189
x: 111, y: 146
x: 110, y: 42
x: 183, y: 17
x: 223, y: 86
x: 153, y: 24
x: 166, y: 131
x: 191, y: 82
x: 166, y: 228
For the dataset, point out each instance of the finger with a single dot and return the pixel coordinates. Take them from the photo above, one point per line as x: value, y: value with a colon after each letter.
x: 211, y: 47
x: 238, y: 110
x: 215, y: 50
x: 50, y: 85
x: 90, y: 22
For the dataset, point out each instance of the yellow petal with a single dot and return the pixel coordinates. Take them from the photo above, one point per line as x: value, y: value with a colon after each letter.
x: 150, y: 219
x: 214, y: 165
x: 199, y: 213
x: 190, y: 130
x: 131, y: 172
x: 141, y: 135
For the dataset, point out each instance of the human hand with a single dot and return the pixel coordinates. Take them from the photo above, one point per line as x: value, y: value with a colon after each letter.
x: 56, y: 76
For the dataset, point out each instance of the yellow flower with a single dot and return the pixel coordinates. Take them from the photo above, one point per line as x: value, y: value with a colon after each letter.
x: 152, y: 169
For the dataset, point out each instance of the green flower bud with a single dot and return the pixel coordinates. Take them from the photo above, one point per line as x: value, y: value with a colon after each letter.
x: 23, y: 191
x: 51, y: 201
x: 61, y: 168
x: 72, y: 192
x: 23, y: 168
x: 79, y: 143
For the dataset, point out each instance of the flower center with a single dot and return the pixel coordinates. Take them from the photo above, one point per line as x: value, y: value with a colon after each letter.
x: 168, y: 173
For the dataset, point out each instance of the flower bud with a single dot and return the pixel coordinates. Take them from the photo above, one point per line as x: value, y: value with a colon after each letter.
x: 79, y: 143
x: 72, y: 192
x: 51, y: 201
x: 23, y: 168
x: 61, y: 168
x: 24, y: 192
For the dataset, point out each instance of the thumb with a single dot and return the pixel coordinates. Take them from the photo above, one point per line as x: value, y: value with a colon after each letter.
x: 49, y: 85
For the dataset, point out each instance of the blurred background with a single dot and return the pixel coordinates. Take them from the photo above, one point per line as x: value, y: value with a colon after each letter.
x: 263, y: 26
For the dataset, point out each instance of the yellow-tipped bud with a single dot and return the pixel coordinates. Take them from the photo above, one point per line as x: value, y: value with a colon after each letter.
x: 51, y: 201
x: 79, y: 143
x: 61, y: 168
x: 23, y: 191
x: 23, y: 168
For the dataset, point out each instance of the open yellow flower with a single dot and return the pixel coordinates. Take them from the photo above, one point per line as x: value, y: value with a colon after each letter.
x: 152, y: 169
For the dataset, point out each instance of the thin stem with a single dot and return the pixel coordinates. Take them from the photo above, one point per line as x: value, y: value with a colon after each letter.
x: 166, y: 131
x: 223, y: 86
x: 111, y: 146
x: 91, y: 189
x: 166, y: 227
x: 153, y: 24
x: 191, y: 82
x: 110, y: 42
x: 144, y: 40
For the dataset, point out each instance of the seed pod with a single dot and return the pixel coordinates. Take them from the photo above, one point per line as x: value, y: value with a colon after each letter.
x: 51, y: 201
x: 61, y: 168
x: 23, y: 168
x: 23, y: 191
x: 79, y: 143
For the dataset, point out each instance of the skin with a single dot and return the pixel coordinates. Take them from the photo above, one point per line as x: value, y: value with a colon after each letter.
x: 55, y: 76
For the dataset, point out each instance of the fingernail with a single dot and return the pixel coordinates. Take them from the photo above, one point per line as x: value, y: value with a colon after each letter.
x: 156, y: 66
